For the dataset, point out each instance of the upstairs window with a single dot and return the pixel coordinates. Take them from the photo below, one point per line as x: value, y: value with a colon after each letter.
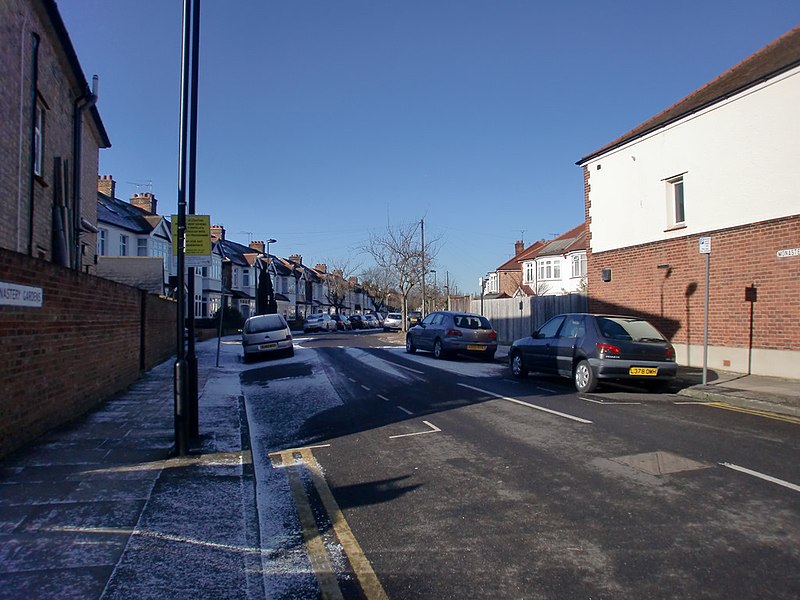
x: 578, y: 265
x: 141, y: 247
x: 102, y: 240
x: 549, y: 268
x: 530, y: 272
x: 675, y: 201
x: 38, y: 140
x: 123, y: 245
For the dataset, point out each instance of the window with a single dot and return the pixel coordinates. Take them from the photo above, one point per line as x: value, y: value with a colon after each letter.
x: 578, y: 265
x: 141, y: 247
x: 550, y: 329
x: 677, y: 212
x: 38, y: 140
x: 123, y: 245
x: 530, y: 272
x: 246, y: 278
x: 549, y: 268
x: 102, y: 240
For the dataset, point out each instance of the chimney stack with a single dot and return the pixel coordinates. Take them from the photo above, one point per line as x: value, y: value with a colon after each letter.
x: 106, y: 185
x: 296, y: 258
x: 147, y: 202
x: 519, y: 246
x: 322, y: 267
x: 217, y: 233
x: 258, y: 246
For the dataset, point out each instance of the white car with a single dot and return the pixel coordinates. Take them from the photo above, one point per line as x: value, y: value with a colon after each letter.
x: 266, y: 334
x: 319, y: 322
x: 393, y: 322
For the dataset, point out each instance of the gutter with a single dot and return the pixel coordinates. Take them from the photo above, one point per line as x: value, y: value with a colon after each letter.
x: 32, y: 162
x: 82, y: 104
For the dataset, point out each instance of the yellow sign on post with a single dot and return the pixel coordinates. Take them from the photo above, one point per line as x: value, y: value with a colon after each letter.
x: 197, y: 241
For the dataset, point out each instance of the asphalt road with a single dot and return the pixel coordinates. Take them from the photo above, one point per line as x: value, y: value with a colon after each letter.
x: 448, y: 479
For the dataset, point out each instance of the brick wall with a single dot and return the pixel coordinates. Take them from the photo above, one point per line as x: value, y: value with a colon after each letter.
x: 88, y: 341
x: 674, y: 297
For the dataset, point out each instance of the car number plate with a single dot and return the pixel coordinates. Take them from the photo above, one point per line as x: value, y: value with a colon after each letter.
x: 474, y: 347
x: 646, y: 371
x: 267, y: 346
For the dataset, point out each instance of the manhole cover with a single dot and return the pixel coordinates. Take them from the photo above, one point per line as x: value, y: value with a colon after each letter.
x: 659, y: 463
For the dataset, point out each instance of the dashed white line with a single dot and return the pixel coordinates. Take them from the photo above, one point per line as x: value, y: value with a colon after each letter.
x: 785, y: 484
x: 604, y: 402
x: 351, y: 379
x: 406, y: 368
x: 405, y: 410
x: 365, y: 387
x: 533, y: 406
x: 384, y: 398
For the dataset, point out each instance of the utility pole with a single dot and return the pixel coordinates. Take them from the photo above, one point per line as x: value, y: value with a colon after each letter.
x: 424, y: 272
x: 447, y: 287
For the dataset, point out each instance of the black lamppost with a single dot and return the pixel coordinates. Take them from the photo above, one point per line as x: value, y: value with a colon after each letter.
x: 435, y: 289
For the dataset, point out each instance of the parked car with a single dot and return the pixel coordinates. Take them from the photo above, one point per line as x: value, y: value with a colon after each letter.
x: 448, y: 332
x: 414, y: 317
x: 379, y: 317
x: 319, y: 322
x: 342, y: 322
x: 393, y: 322
x: 357, y: 322
x: 266, y: 334
x: 589, y: 348
x: 370, y: 322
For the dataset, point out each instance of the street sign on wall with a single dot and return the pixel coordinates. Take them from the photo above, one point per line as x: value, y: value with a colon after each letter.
x: 705, y: 245
x: 14, y: 294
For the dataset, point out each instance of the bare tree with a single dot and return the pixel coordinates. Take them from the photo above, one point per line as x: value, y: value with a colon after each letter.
x: 379, y: 284
x: 398, y: 251
x: 338, y: 276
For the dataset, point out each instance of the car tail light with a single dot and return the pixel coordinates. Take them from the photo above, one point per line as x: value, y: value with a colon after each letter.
x: 669, y: 354
x: 454, y: 332
x: 608, y: 349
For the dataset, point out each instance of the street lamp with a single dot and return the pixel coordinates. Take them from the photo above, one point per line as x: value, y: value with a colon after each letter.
x: 269, y: 241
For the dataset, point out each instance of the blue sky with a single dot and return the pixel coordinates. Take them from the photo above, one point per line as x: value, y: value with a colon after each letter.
x: 322, y: 121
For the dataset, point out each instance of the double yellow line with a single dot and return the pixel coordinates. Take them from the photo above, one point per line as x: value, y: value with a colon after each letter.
x: 294, y: 461
x: 753, y: 411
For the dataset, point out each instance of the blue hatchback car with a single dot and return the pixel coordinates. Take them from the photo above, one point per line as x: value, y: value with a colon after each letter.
x: 589, y: 348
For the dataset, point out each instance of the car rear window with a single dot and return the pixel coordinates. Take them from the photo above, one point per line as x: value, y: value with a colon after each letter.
x: 265, y: 323
x: 471, y: 322
x: 393, y: 316
x: 637, y: 330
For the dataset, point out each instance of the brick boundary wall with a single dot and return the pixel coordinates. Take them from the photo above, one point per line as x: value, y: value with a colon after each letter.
x: 674, y: 298
x: 91, y: 338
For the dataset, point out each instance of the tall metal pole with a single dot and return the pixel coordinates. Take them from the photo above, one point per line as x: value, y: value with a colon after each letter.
x: 705, y: 326
x: 422, y: 233
x: 181, y: 422
x: 447, y: 286
x: 191, y: 357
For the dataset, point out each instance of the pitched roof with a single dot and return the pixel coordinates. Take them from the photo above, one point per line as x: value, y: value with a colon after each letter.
x: 779, y: 56
x: 123, y: 215
x: 571, y: 241
x: 514, y: 263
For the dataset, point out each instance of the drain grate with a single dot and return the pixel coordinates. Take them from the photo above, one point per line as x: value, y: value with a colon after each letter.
x: 659, y: 463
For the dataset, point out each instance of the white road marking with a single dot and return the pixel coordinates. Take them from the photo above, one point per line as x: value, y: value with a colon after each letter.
x: 384, y: 398
x: 433, y: 429
x: 548, y: 390
x: 603, y: 402
x: 405, y: 410
x: 533, y: 406
x: 406, y: 368
x: 365, y: 387
x: 351, y: 379
x: 785, y: 484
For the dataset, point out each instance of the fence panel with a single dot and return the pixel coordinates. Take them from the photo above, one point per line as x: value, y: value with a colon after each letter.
x: 515, y: 318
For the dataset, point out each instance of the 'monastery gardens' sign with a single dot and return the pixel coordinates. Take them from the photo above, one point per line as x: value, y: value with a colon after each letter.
x: 788, y: 252
x: 14, y: 294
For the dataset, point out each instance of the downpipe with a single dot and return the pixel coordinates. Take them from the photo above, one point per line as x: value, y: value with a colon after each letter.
x: 82, y: 104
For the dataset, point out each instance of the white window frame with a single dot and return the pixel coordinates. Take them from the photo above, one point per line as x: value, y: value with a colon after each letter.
x: 578, y: 265
x: 676, y: 201
x: 549, y: 269
x: 141, y: 247
x: 123, y: 245
x: 102, y: 242
x: 38, y: 140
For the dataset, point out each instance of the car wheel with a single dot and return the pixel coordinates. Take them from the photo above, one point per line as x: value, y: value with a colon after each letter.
x: 585, y: 379
x: 410, y: 348
x: 245, y: 359
x: 518, y: 370
x: 438, y: 351
x: 289, y: 352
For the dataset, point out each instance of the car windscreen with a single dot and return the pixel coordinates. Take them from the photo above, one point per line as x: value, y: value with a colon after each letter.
x: 637, y: 330
x: 265, y: 323
x: 471, y: 322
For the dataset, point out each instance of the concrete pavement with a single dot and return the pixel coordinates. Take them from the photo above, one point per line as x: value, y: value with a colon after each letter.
x: 101, y: 509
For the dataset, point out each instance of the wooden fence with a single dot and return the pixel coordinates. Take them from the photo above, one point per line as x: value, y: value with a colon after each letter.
x: 515, y: 318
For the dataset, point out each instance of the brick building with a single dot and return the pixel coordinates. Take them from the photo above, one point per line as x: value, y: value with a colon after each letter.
x: 718, y: 166
x: 50, y: 134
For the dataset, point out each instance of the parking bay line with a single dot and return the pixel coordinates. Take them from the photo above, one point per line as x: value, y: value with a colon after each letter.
x: 523, y: 403
x: 785, y: 484
x: 433, y: 429
x: 604, y: 402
